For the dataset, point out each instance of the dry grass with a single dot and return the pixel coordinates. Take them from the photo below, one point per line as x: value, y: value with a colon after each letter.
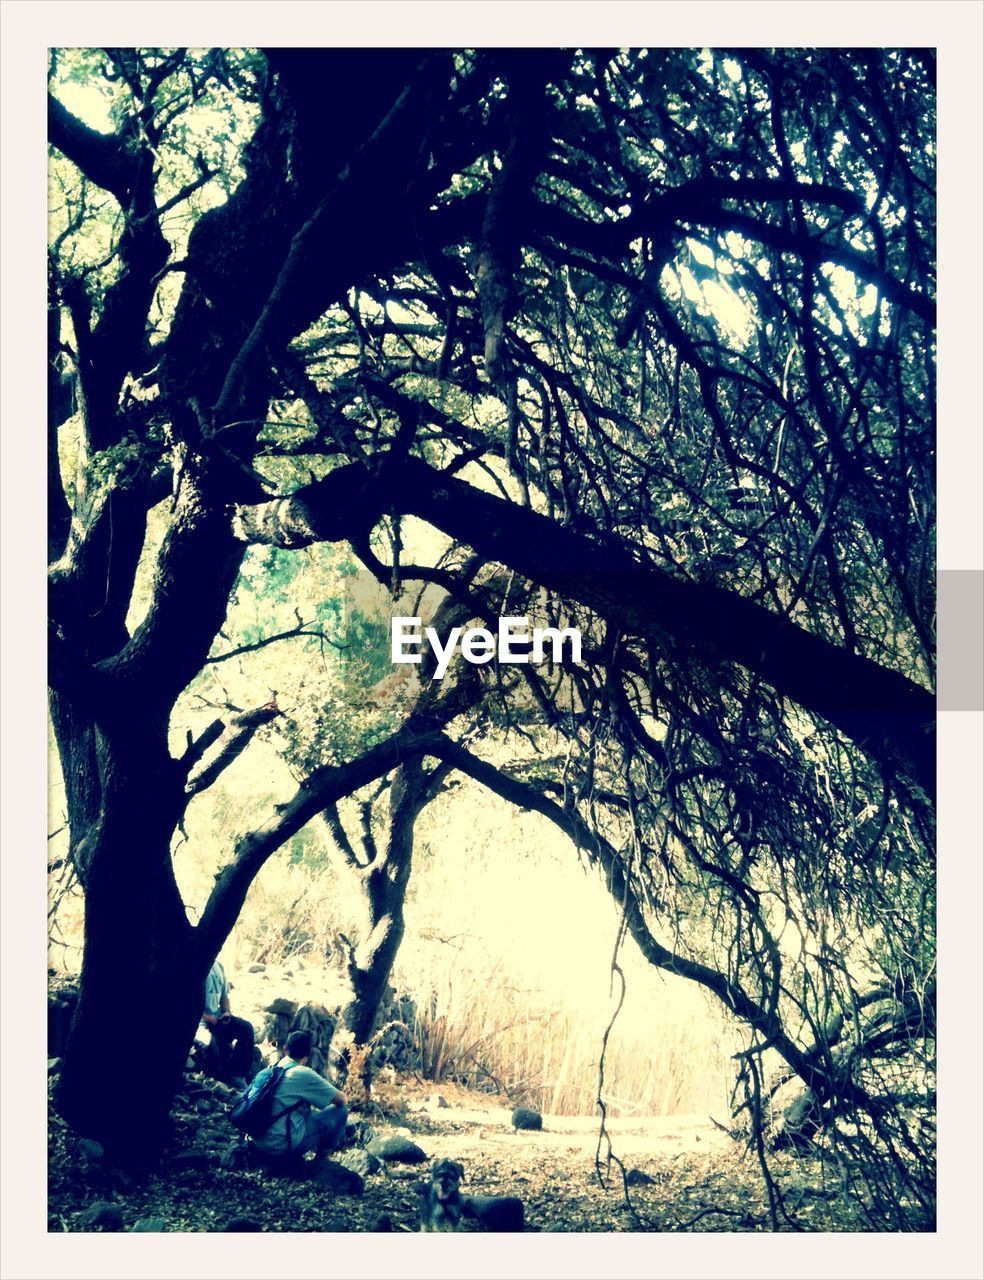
x: 485, y: 1031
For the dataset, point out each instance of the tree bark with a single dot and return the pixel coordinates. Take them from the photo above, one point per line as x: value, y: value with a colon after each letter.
x: 142, y: 981
x: 385, y: 886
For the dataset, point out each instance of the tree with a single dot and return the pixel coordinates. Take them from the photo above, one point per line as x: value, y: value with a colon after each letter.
x: 652, y: 330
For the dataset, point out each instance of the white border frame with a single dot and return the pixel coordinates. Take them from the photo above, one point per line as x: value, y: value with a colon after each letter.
x: 29, y: 26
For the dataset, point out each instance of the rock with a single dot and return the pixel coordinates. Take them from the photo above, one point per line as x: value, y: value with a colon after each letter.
x: 398, y: 1150
x: 286, y: 1016
x: 90, y: 1149
x: 242, y: 1224
x: 636, y: 1178
x: 364, y: 1163
x: 394, y: 1043
x: 101, y: 1215
x: 282, y: 1008
x: 337, y: 1179
x: 526, y: 1118
x: 54, y: 1066
x: 149, y: 1224
x: 256, y: 968
x: 496, y: 1213
x: 197, y: 1161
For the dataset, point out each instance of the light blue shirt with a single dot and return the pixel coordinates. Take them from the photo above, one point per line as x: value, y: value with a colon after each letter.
x: 299, y: 1085
x: 215, y: 989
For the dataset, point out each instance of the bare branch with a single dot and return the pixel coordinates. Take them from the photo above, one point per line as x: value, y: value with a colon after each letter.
x: 303, y: 629
x: 230, y: 743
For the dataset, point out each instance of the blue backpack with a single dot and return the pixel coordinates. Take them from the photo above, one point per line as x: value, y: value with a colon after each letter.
x: 253, y: 1112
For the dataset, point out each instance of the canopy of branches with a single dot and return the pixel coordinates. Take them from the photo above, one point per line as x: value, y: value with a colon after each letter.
x: 646, y: 339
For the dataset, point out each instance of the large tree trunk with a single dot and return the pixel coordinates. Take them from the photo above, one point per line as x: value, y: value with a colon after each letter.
x: 143, y: 972
x: 124, y: 1059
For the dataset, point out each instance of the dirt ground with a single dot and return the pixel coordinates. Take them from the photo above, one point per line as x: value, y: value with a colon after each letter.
x: 690, y: 1176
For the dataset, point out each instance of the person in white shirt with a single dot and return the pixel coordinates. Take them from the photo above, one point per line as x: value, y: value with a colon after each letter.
x: 310, y: 1114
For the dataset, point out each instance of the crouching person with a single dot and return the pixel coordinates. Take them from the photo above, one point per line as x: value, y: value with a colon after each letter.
x: 309, y: 1114
x: 227, y: 1041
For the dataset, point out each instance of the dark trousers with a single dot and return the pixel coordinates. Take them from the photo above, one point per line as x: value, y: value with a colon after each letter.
x: 231, y: 1050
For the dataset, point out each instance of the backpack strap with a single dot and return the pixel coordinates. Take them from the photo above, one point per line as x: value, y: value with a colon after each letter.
x: 287, y: 1110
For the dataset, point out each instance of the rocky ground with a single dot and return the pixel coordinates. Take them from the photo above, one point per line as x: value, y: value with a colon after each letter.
x: 684, y: 1173
x: 681, y: 1173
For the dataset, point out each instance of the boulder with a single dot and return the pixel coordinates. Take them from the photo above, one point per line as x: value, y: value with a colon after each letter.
x: 90, y: 1149
x: 397, y: 1150
x: 282, y: 1008
x: 149, y: 1224
x: 287, y: 1016
x: 526, y: 1118
x: 101, y: 1215
x: 242, y: 1224
x: 496, y: 1213
x: 338, y: 1179
x: 393, y: 1042
x: 362, y: 1162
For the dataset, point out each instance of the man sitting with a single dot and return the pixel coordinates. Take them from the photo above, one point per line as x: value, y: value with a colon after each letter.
x: 311, y: 1114
x: 229, y: 1053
